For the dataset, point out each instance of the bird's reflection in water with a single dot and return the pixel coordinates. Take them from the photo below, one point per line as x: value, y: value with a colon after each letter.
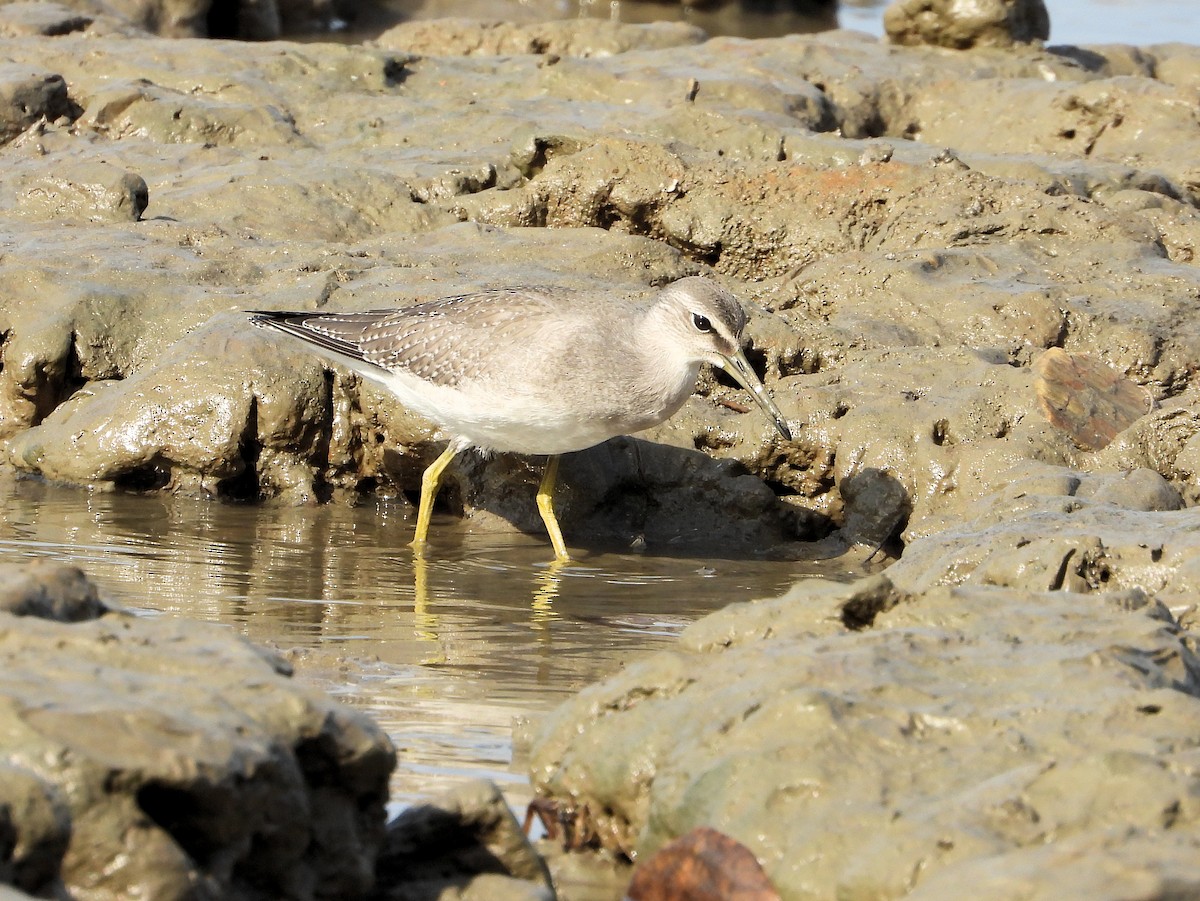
x: 549, y: 581
x: 546, y: 585
x: 425, y: 625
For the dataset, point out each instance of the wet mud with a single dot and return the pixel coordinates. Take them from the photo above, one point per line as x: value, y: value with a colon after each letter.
x: 914, y: 230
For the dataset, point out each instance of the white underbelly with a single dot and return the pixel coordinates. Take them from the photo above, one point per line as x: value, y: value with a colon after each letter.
x: 514, y: 422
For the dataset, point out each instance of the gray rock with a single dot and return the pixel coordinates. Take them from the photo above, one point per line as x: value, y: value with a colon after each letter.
x: 27, y: 95
x: 579, y: 37
x: 181, y: 761
x: 1043, y: 542
x: 464, y: 844
x: 49, y: 591
x: 40, y: 17
x: 949, y: 735
x: 980, y: 23
x: 1135, y: 489
x: 35, y: 829
x: 92, y: 192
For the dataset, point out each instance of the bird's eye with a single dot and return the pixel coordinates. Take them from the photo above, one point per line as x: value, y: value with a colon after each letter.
x: 701, y: 322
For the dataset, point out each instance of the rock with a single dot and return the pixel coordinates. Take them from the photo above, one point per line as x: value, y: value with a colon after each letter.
x: 92, y: 192
x: 542, y: 18
x: 876, y: 506
x: 1166, y: 441
x: 941, y: 736
x: 170, y: 116
x: 1147, y: 867
x: 604, y: 874
x: 464, y: 844
x: 1088, y: 547
x: 28, y: 95
x: 40, y: 17
x: 48, y: 591
x: 1134, y: 489
x: 918, y: 227
x: 191, y: 436
x: 703, y: 865
x: 35, y: 830
x: 578, y: 37
x: 171, y: 758
x: 633, y: 491
x: 981, y: 23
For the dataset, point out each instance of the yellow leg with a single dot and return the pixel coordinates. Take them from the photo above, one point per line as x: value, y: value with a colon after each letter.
x: 429, y: 488
x: 545, y: 502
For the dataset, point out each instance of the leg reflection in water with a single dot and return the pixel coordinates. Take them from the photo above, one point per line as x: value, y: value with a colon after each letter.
x: 426, y: 624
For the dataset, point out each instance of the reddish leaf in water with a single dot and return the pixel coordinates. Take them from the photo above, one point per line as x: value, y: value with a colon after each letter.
x: 704, y: 865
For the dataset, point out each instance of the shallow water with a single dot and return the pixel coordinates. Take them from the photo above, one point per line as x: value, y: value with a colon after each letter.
x: 445, y: 655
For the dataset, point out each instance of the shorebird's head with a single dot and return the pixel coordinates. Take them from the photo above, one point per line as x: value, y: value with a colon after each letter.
x: 706, y: 322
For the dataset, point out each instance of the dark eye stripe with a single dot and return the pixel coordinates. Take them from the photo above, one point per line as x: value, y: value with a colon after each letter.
x: 701, y: 322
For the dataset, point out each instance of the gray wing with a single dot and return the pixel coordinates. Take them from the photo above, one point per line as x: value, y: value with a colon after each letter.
x: 442, y: 341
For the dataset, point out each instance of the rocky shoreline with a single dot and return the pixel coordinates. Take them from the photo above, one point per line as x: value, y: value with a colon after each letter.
x: 974, y: 286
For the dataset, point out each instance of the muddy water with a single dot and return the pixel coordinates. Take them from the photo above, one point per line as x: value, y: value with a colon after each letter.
x: 445, y: 655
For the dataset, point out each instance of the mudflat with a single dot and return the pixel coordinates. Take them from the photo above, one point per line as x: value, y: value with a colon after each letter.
x: 974, y: 287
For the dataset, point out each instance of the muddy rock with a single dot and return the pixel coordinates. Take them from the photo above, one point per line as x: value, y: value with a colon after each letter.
x: 35, y: 831
x: 466, y: 845
x: 252, y: 20
x: 983, y: 23
x: 165, y: 757
x: 641, y: 492
x: 93, y: 192
x: 27, y: 95
x: 912, y: 228
x: 838, y: 710
x: 911, y: 251
x: 48, y: 591
x: 474, y: 37
x: 38, y: 17
x: 1033, y: 538
x: 736, y: 17
x: 704, y: 865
